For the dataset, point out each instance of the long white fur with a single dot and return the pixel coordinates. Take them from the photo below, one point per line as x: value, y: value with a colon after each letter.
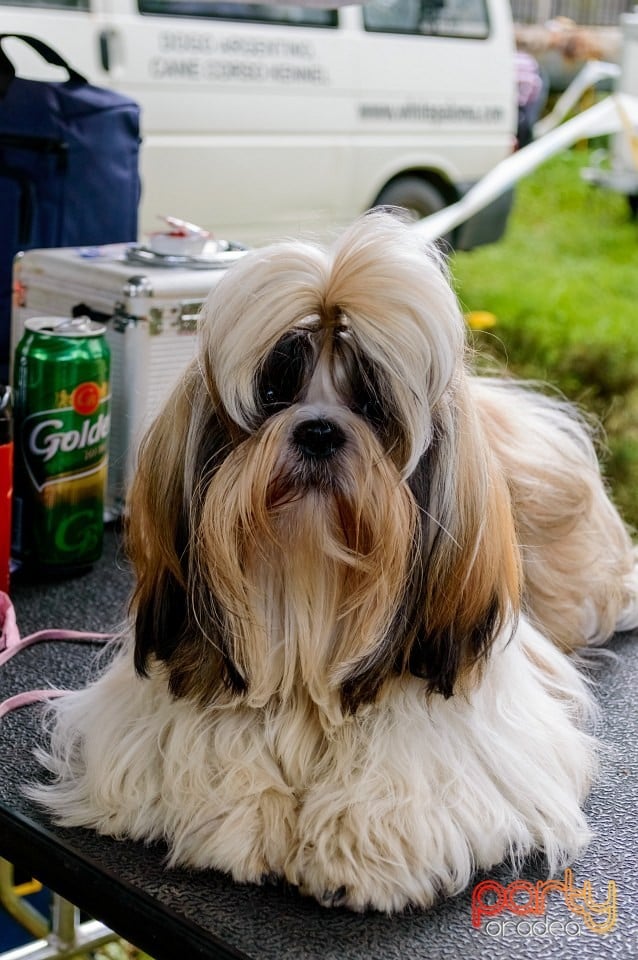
x: 398, y: 805
x: 402, y: 801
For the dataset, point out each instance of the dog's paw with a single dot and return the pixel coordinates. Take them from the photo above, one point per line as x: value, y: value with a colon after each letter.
x: 249, y: 840
x: 260, y: 837
x: 333, y: 898
x: 363, y: 893
x: 358, y: 862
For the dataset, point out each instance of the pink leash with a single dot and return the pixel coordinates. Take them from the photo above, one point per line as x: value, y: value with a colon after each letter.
x: 11, y: 643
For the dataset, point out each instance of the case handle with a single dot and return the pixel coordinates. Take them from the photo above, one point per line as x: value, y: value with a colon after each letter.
x: 7, y: 70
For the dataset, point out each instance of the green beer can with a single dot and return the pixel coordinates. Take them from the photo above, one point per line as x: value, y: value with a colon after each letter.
x: 62, y: 423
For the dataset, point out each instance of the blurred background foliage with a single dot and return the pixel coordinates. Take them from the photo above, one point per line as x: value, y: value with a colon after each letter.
x: 562, y: 288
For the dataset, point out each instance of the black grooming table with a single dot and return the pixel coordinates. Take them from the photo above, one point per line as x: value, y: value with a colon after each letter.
x: 180, y: 915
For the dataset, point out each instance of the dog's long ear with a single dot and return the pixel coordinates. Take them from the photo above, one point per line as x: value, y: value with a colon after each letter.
x: 176, y: 618
x: 466, y: 580
x: 463, y: 585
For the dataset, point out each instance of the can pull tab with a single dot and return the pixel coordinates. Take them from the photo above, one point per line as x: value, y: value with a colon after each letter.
x: 76, y: 327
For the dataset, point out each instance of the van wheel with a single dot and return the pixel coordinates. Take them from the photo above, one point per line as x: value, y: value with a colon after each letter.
x: 414, y: 194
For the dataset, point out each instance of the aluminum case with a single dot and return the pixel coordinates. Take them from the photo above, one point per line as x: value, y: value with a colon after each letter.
x: 150, y: 305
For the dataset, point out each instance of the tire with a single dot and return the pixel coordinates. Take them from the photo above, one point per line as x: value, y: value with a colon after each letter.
x: 632, y: 200
x: 415, y: 195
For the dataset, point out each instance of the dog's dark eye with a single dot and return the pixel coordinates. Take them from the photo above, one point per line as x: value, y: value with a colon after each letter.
x: 372, y: 411
x: 368, y: 396
x: 283, y: 373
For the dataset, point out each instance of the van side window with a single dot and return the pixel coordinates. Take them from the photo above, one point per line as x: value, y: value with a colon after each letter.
x: 59, y: 4
x: 433, y: 18
x: 253, y: 12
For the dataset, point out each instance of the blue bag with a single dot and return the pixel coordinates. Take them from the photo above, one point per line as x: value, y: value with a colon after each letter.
x: 69, y: 167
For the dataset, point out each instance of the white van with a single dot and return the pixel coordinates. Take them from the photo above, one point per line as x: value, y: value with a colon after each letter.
x: 260, y: 121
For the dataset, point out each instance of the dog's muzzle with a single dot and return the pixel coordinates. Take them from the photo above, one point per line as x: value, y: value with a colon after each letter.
x: 318, y: 439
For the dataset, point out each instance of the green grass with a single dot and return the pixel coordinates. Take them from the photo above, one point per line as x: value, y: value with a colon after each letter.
x: 563, y: 285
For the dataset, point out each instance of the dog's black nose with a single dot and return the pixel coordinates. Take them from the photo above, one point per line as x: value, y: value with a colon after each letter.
x: 319, y: 438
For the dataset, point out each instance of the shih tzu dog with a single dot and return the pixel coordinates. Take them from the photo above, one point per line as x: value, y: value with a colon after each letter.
x: 361, y: 572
